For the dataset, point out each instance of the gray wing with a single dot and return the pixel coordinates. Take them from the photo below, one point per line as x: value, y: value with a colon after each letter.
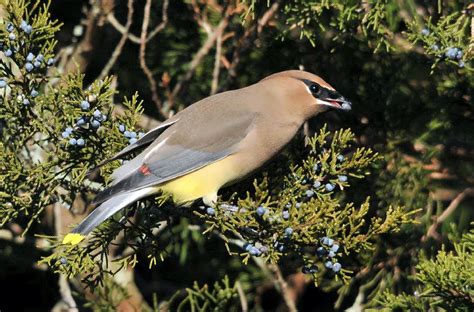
x: 146, y: 140
x: 184, y: 147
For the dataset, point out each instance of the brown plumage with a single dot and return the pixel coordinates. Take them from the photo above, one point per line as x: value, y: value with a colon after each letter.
x: 215, y: 142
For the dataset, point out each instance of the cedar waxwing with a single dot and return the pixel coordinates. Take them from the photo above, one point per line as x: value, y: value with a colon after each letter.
x: 213, y: 143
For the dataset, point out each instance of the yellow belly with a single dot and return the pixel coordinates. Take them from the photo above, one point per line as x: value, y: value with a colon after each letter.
x: 204, y: 182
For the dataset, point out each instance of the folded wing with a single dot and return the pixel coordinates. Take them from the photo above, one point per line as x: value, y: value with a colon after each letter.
x: 181, y: 149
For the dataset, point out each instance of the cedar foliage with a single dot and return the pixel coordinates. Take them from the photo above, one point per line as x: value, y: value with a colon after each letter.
x: 372, y: 207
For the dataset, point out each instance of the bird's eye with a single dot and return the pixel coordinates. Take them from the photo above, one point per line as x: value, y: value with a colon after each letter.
x: 314, y: 88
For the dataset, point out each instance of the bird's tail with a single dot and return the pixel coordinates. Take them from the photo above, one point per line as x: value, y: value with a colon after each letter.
x: 103, y: 212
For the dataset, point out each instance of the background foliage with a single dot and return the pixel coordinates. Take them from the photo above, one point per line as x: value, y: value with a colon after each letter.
x: 379, y: 216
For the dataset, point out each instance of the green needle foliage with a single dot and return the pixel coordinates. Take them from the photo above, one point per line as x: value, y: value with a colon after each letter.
x: 445, y: 281
x: 348, y: 208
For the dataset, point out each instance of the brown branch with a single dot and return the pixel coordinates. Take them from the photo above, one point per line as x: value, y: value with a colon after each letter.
x: 164, y: 21
x: 432, y: 231
x: 217, y: 65
x: 202, y: 52
x: 121, y: 29
x: 243, y: 299
x: 267, y: 16
x: 283, y: 287
x: 80, y: 55
x: 144, y: 66
x: 64, y: 289
x: 246, y: 39
x: 133, y: 38
x: 120, y: 45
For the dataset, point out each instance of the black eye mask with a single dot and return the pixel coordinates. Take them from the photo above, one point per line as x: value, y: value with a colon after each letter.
x: 319, y: 91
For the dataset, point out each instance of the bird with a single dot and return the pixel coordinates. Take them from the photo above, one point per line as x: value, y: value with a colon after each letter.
x: 213, y: 143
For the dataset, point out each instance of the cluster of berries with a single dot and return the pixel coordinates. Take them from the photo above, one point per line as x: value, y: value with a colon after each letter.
x: 132, y: 136
x: 255, y: 250
x: 455, y: 54
x: 327, y: 186
x: 328, y: 250
x: 68, y: 132
x: 451, y: 53
x: 32, y: 62
x: 92, y: 121
x: 36, y: 62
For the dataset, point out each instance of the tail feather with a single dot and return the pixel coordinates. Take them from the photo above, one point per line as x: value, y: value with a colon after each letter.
x: 103, y: 212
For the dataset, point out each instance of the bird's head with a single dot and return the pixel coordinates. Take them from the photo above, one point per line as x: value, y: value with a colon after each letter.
x: 309, y: 91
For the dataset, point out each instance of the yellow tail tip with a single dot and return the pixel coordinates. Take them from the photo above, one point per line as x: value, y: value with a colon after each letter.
x: 73, y: 238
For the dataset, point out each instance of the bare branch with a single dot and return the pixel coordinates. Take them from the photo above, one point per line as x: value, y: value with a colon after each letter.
x: 432, y: 231
x: 245, y: 41
x: 79, y: 55
x: 217, y: 65
x: 203, y: 51
x: 133, y: 38
x: 119, y: 47
x: 64, y: 288
x: 144, y: 66
x: 243, y: 299
x: 121, y: 29
x: 164, y: 21
x: 283, y: 287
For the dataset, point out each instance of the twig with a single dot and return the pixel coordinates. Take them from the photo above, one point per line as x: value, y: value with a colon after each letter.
x: 446, y: 213
x: 283, y: 287
x: 243, y: 299
x: 217, y: 65
x: 121, y: 29
x: 64, y: 289
x: 133, y: 38
x: 119, y: 47
x: 267, y: 16
x: 80, y: 55
x: 244, y: 41
x: 203, y: 51
x: 144, y: 66
x: 164, y: 21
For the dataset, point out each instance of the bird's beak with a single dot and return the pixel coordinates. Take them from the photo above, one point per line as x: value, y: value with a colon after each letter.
x: 339, y: 103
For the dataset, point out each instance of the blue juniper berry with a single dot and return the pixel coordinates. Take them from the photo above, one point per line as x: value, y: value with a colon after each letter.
x: 329, y: 187
x: 30, y: 57
x: 95, y: 123
x: 254, y: 251
x: 342, y: 178
x: 336, y: 267
x: 29, y: 67
x: 261, y: 210
x: 85, y: 105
